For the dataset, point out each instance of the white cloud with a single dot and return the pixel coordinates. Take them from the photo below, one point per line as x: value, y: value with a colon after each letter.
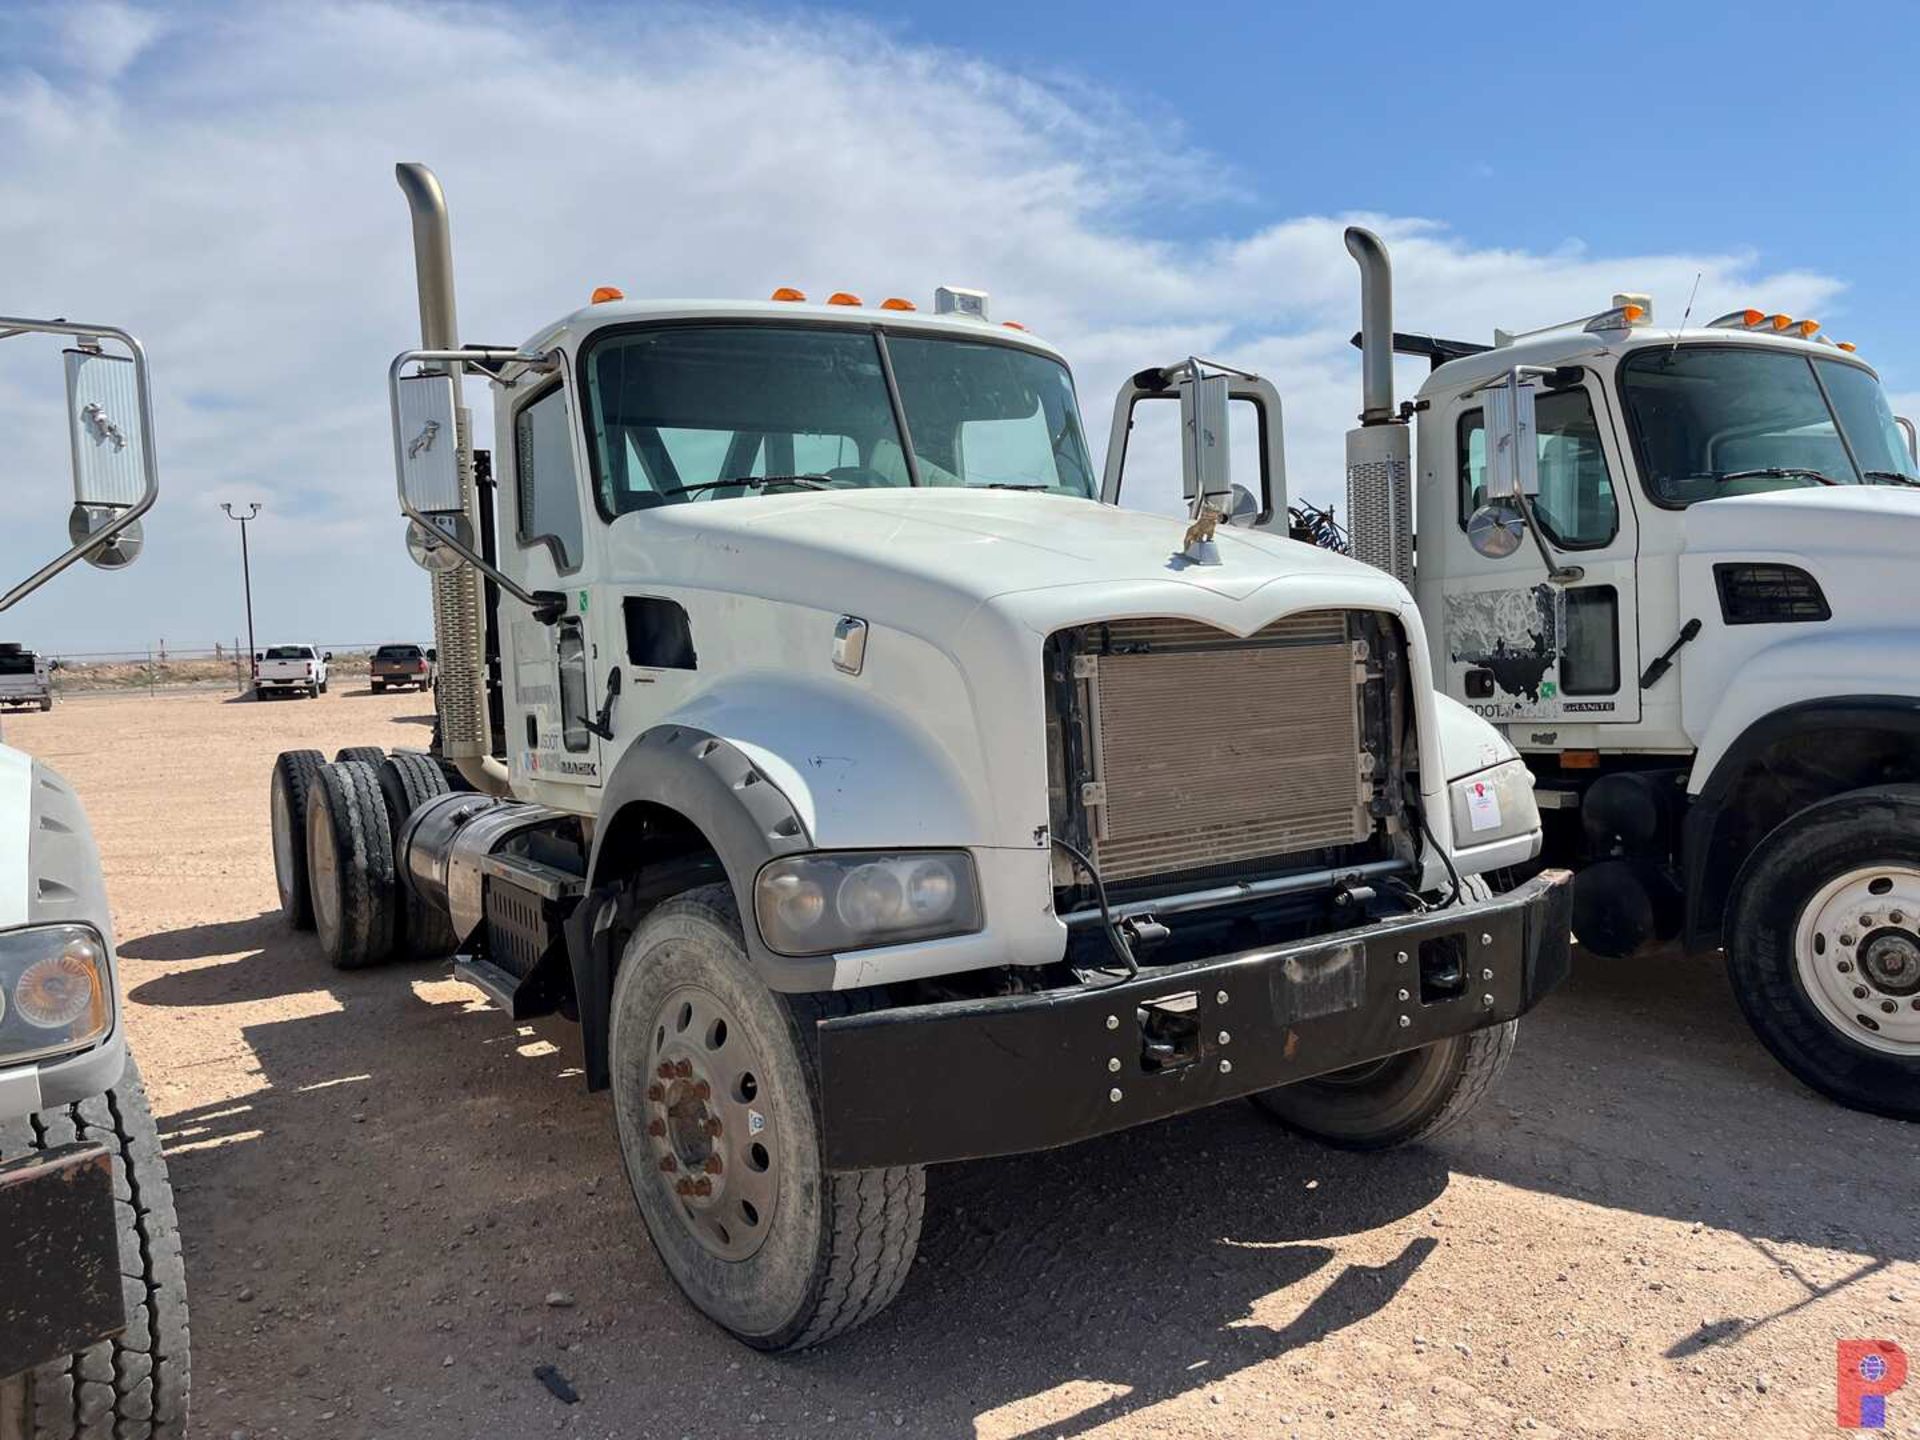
x: 224, y: 188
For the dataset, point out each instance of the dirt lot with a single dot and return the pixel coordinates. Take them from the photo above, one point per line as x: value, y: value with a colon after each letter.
x: 1651, y: 1232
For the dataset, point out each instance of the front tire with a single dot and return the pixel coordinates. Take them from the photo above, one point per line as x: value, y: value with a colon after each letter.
x: 1823, y: 948
x: 1403, y: 1098
x: 134, y: 1386
x: 714, y: 1097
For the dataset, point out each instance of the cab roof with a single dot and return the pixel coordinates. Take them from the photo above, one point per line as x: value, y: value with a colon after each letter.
x: 1570, y: 344
x: 572, y: 329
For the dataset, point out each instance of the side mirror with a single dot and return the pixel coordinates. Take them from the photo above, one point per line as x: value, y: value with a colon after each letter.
x: 328, y: 657
x: 107, y: 434
x: 258, y: 656
x: 425, y: 547
x: 1205, y: 457
x: 426, y: 441
x: 1513, y: 452
x: 433, y: 654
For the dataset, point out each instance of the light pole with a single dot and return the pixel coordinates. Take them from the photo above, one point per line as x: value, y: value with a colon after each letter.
x: 246, y: 570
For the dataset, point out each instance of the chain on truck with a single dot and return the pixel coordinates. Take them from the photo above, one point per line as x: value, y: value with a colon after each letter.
x: 1675, y: 566
x: 93, y: 1305
x: 818, y: 732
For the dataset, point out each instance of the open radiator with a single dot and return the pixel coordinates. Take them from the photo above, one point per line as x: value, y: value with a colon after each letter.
x: 1175, y: 747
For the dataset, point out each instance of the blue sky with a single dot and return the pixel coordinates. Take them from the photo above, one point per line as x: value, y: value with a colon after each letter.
x: 1135, y: 183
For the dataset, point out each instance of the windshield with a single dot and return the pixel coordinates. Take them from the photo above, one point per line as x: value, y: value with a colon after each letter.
x: 1712, y: 420
x: 715, y: 412
x: 290, y: 652
x: 16, y: 662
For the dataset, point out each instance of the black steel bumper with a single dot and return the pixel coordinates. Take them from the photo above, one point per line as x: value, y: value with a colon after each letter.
x: 971, y: 1078
x: 59, y: 1256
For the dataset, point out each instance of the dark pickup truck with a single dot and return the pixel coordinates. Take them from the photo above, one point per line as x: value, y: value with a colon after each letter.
x: 396, y: 665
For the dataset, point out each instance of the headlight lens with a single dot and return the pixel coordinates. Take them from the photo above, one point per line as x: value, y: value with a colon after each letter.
x: 1494, y: 804
x: 817, y: 904
x: 54, y: 991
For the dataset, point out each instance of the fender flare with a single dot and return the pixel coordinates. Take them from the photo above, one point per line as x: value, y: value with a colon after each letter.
x: 742, y: 814
x: 1708, y: 868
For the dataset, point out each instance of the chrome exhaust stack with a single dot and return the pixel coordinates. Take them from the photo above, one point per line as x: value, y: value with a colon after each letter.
x: 459, y: 609
x: 1380, y: 451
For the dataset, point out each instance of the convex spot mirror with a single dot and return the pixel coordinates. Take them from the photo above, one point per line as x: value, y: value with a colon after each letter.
x: 116, y: 554
x: 1242, y: 508
x: 426, y: 549
x: 1496, y: 529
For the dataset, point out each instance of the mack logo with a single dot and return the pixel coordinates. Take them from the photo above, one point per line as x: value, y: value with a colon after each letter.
x: 101, y: 428
x: 423, y: 442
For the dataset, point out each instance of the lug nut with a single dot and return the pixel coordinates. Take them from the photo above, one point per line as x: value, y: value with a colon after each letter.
x: 685, y: 1187
x: 669, y: 1164
x: 713, y: 1127
x: 1859, y: 992
x: 1888, y: 1006
x: 656, y: 1093
x: 665, y: 1070
x: 1896, y: 918
x: 702, y: 1090
x: 703, y: 1186
x: 682, y: 1068
x: 1846, y: 939
x: 713, y: 1165
x: 656, y: 1128
x: 1846, y: 967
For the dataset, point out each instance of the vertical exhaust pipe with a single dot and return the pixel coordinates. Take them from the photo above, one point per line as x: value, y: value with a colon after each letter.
x: 1376, y: 325
x: 1380, y: 451
x: 459, y: 609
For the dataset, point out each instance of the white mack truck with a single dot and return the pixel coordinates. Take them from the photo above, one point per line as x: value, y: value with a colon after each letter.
x: 874, y: 795
x: 1669, y: 564
x: 93, y: 1303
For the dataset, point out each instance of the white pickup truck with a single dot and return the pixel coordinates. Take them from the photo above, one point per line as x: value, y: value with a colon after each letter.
x: 25, y: 678
x: 290, y: 670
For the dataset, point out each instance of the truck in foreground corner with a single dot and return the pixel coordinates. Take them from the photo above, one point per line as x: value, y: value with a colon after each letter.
x: 874, y: 791
x: 1675, y: 566
x: 93, y: 1307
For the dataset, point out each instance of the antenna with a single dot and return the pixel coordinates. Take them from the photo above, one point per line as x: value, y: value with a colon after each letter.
x: 1691, y: 294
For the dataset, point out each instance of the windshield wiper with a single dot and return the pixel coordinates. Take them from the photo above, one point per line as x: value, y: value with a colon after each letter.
x: 752, y: 482
x: 1010, y: 485
x: 1772, y: 472
x: 1891, y: 477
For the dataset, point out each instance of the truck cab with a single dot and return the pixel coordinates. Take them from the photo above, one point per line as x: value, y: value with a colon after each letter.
x: 1670, y: 563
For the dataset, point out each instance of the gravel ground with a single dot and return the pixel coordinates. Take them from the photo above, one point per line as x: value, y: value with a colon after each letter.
x: 396, y: 1203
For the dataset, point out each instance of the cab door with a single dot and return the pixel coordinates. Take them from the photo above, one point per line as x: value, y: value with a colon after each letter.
x: 552, y: 676
x: 1518, y: 639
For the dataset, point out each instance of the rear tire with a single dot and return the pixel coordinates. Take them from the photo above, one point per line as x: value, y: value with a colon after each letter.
x: 366, y: 754
x: 408, y: 781
x: 134, y: 1386
x: 46, y: 704
x: 781, y: 1252
x: 293, y: 773
x: 350, y: 865
x: 1836, y: 1001
x: 379, y: 687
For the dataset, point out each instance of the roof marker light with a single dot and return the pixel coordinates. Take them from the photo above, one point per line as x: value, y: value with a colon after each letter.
x: 1847, y: 345
x: 1011, y: 325
x: 1806, y: 328
x: 787, y: 292
x: 1780, y: 322
x: 1738, y: 320
x: 894, y: 302
x: 843, y: 297
x: 603, y: 293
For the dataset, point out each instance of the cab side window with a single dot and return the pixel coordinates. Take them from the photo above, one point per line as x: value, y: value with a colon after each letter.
x: 546, y: 487
x: 1575, y: 506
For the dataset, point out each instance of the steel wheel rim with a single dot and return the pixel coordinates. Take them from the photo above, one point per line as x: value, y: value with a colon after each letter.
x: 1856, y: 951
x: 710, y: 1133
x: 282, y: 841
x: 323, y: 870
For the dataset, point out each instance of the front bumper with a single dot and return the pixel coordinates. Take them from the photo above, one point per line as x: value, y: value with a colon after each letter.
x: 59, y: 1255
x: 965, y: 1079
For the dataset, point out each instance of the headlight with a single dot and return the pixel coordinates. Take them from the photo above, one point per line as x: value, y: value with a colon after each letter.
x: 1494, y: 804
x: 817, y: 904
x: 54, y: 991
